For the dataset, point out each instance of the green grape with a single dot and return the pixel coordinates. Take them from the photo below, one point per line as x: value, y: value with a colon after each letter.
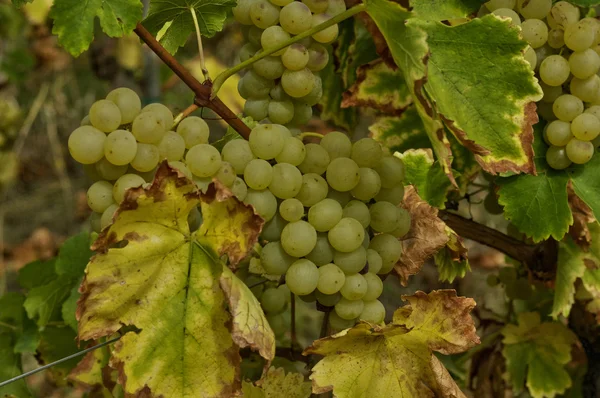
x: 331, y: 279
x: 125, y: 182
x: 336, y: 7
x: 359, y: 211
x: 493, y: 5
x: 490, y: 203
x: 281, y: 112
x: 355, y: 287
x: 194, y: 131
x: 203, y: 160
x: 286, y: 182
x: 105, y: 116
x: 317, y: 6
x: 171, y: 147
x: 266, y: 141
x: 257, y: 108
x: 302, y: 277
x: 238, y: 154
x: 366, y: 240
x: 127, y: 101
x: 373, y: 312
x: 86, y: 144
x: 147, y: 128
x: 107, y: 216
x: 374, y: 286
x: 338, y: 323
x: 328, y: 300
x: 315, y: 94
x: 85, y: 121
x: 293, y: 152
x: 531, y: 57
x: 247, y: 51
x: 243, y: 90
x: 241, y: 12
x: 226, y: 174
x: 374, y: 261
x: 95, y: 222
x: 383, y: 216
x: 326, y: 35
x: 579, y: 152
x: 202, y: 183
x: 302, y: 114
x: 295, y: 57
x: 269, y: 67
x: 273, y: 300
x: 258, y: 174
x: 314, y: 189
x: 337, y: 145
x: 391, y: 171
x: 254, y: 34
x: 264, y: 14
x: 390, y: 250
x: 265, y: 204
x: 278, y: 324
x: 586, y: 89
x: 99, y: 196
x: 274, y: 36
x: 274, y: 259
x: 556, y: 39
x: 146, y: 158
x: 368, y: 186
x: 278, y: 93
x: 580, y: 36
x: 347, y: 235
x: 542, y: 53
x: 323, y: 252
x: 554, y: 70
x: 298, y: 83
x: 594, y: 110
x: 584, y: 64
x: 291, y: 210
x: 325, y: 215
x: 551, y: 93
x: 164, y: 114
x: 584, y: 127
x: 315, y: 161
x: 298, y: 238
x: 404, y: 223
x: 559, y: 133
x: 507, y: 13
x: 239, y: 189
x: 393, y: 195
x: 349, y: 309
x: 109, y: 171
x: 120, y: 147
x: 295, y: 18
x: 567, y: 107
x: 318, y: 57
x: 182, y: 168
x: 534, y: 8
x: 366, y: 152
x: 343, y: 174
x: 535, y: 32
x: 341, y: 197
x: 286, y: 292
x: 352, y: 262
x: 255, y: 85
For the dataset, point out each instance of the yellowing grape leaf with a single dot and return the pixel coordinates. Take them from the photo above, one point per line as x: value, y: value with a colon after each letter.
x: 152, y: 274
x: 400, y: 133
x: 277, y: 384
x: 440, y: 10
x: 452, y: 261
x: 536, y: 354
x: 397, y: 360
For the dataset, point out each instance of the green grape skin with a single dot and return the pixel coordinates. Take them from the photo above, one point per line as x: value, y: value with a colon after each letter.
x: 326, y: 35
x: 366, y: 152
x: 272, y: 230
x: 295, y: 18
x: 531, y: 57
x: 579, y: 152
x: 567, y: 107
x: 318, y: 58
x: 164, y: 114
x: 203, y: 183
x: 554, y: 70
x: 586, y: 89
x: 286, y: 181
x: 203, y: 160
x: 269, y: 67
x: 315, y: 161
x: 226, y: 174
x: 336, y: 7
x: 295, y: 57
x: 105, y: 116
x: 256, y: 85
x: 393, y: 195
x: 278, y: 324
x: 391, y: 171
x: 556, y: 39
x: 337, y: 145
x: 86, y: 144
x: 273, y: 300
x: 95, y: 221
x: 355, y: 287
x: 258, y: 174
x: 273, y: 37
x: 127, y: 101
x: 366, y: 240
x: 325, y: 214
x: 368, y: 186
x: 302, y: 114
x: 124, y: 183
x: 247, y: 51
x: 584, y: 64
x: 171, y: 147
x: 404, y: 223
x: 298, y: 83
x: 580, y: 36
x: 359, y: 211
x: 99, y: 196
x: 563, y: 14
x: 281, y: 3
x: 238, y: 154
x: 293, y: 152
x: 239, y: 189
x: 559, y: 133
x: 146, y: 158
x: 108, y: 171
x: 317, y: 6
x: 291, y: 210
x: 274, y: 259
x: 327, y: 300
x: 331, y: 279
x: 343, y: 174
x: 280, y: 112
x: 302, y: 277
x: 265, y: 204
x: 107, y: 216
x: 315, y: 95
x: 266, y: 141
x: 508, y: 13
x: 390, y: 250
x: 534, y: 8
x: 374, y: 261
x: 585, y: 127
x: 349, y: 309
x: 347, y: 235
x: 147, y: 128
x: 373, y: 312
x: 337, y: 323
x: 194, y: 131
x: 180, y: 166
x: 298, y: 238
x: 120, y: 147
x: 243, y: 90
x: 343, y: 198
x: 493, y: 5
x: 322, y: 253
x: 314, y: 189
x: 352, y: 262
x: 257, y: 108
x: 241, y: 12
x: 264, y: 14
x: 542, y: 53
x: 384, y: 216
x: 594, y: 110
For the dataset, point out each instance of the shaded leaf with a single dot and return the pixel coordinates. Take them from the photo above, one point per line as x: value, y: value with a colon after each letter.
x: 29, y: 337
x: 19, y: 3
x: 45, y: 302
x: 401, y: 133
x: 10, y: 366
x: 57, y: 343
x: 69, y: 307
x: 37, y: 273
x: 587, y: 185
x: 74, y: 255
x: 440, y: 10
x: 361, y: 50
x: 331, y: 101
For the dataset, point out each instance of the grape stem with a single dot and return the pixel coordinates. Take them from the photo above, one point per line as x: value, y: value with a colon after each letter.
x: 200, y: 49
x: 186, y: 112
x: 223, y: 76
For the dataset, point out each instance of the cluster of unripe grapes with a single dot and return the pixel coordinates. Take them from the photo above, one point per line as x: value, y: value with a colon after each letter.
x: 564, y: 51
x: 284, y: 86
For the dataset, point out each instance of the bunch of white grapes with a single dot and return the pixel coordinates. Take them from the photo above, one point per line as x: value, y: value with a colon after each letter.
x: 564, y: 50
x: 285, y: 86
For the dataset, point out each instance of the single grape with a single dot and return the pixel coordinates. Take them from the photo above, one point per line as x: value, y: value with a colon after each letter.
x: 293, y: 152
x: 349, y: 309
x: 163, y: 113
x: 579, y: 152
x: 298, y: 238
x: 559, y: 133
x: 355, y: 287
x: 316, y: 160
x: 146, y: 158
x: 266, y: 140
x: 127, y: 101
x: 352, y: 262
x: 238, y: 154
x: 359, y: 211
x: 281, y: 112
x: 586, y: 90
x: 273, y: 300
x: 99, y: 196
x: 336, y: 7
x: 258, y: 174
x: 302, y: 277
x: 194, y: 131
x: 302, y: 114
x: 124, y: 183
x: 585, y: 127
x: 390, y: 250
x: 314, y: 189
x: 403, y: 224
x: 291, y: 209
x: 203, y: 160
x: 226, y: 174
x: 556, y: 38
x: 326, y: 35
x: 374, y: 261
x: 567, y: 107
x: 264, y: 14
x: 265, y: 204
x: 554, y: 70
x: 295, y: 18
x: 323, y: 252
x: 274, y: 36
x: 535, y: 32
x: 506, y: 13
x: 318, y: 57
x: 298, y: 83
x: 107, y: 216
x: 347, y: 235
x: 109, y: 171
x: 534, y: 8
x: 105, y: 116
x: 366, y: 152
x: 278, y: 93
x: 257, y: 86
x: 368, y: 186
x: 325, y: 215
x: 286, y: 182
x: 338, y: 323
x: 86, y: 144
x: 337, y: 145
x: 584, y: 64
x: 343, y: 174
x: 383, y: 216
x: 580, y: 36
x: 391, y: 171
x: 393, y: 195
x: 295, y: 57
x: 257, y: 108
x: 373, y: 312
x: 241, y: 12
x: 594, y: 110
x: 147, y: 128
x: 269, y: 67
x: 331, y: 279
x: 374, y: 286
x: 120, y: 147
x: 315, y: 94
x: 247, y: 51
x: 171, y: 147
x: 542, y: 53
x: 239, y: 188
x: 328, y: 300
x: 317, y: 6
x: 274, y: 259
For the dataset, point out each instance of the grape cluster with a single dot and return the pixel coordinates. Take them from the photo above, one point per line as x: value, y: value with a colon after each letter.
x: 285, y: 86
x: 564, y: 51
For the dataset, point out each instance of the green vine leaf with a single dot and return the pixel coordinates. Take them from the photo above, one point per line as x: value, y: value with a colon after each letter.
x: 173, y: 18
x: 401, y: 133
x: 586, y: 184
x: 536, y: 354
x: 44, y: 303
x: 585, y: 3
x: 20, y: 3
x: 441, y: 10
x: 58, y: 342
x: 37, y: 273
x: 12, y: 316
x: 74, y: 20
x: 187, y: 308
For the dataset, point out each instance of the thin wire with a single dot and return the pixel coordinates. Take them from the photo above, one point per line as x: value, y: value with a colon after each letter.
x: 77, y: 354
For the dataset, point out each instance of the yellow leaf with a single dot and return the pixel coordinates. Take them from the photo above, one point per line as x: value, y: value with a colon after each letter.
x: 276, y: 384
